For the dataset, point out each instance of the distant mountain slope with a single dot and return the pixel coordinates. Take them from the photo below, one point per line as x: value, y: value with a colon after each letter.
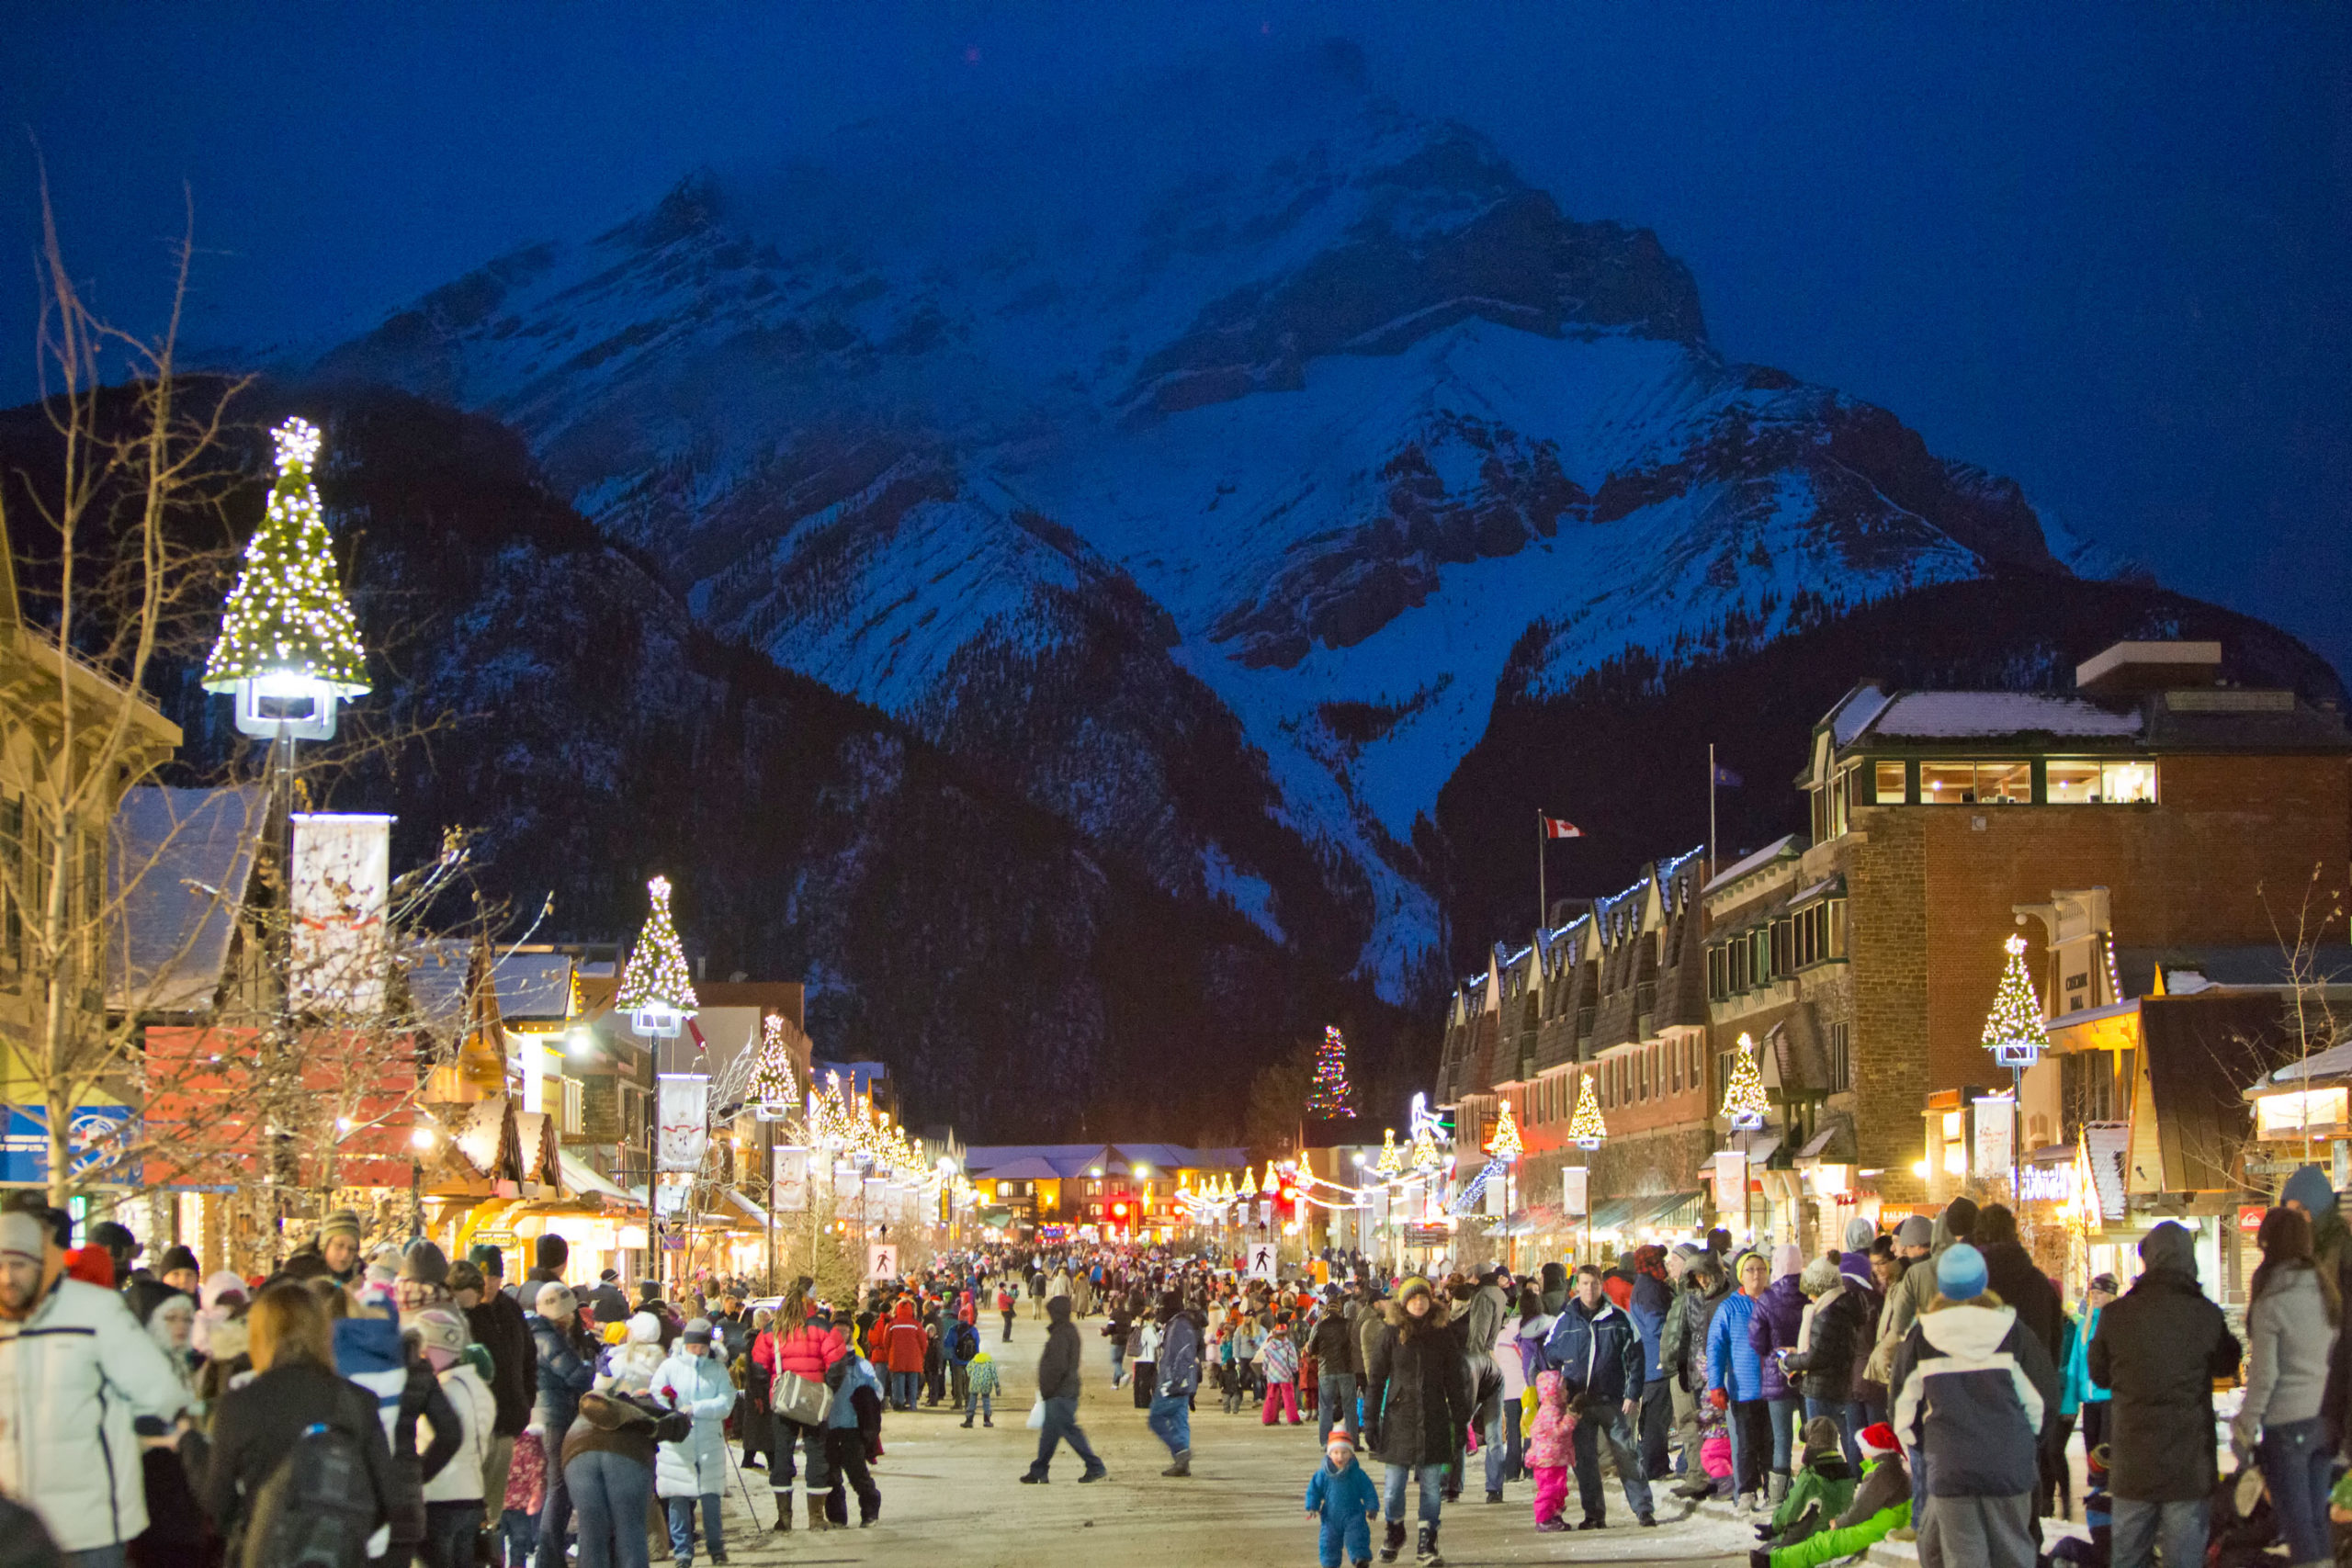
x: 1203, y: 482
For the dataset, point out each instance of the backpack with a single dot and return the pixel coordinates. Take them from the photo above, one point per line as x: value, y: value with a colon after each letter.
x: 318, y: 1508
x: 967, y: 1341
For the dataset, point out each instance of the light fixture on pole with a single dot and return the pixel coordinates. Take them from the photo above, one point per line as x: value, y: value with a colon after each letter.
x: 656, y: 991
x: 2015, y: 1035
x: 1745, y: 1106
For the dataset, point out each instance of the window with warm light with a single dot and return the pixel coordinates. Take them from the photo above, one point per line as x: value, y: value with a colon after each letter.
x: 1891, y: 786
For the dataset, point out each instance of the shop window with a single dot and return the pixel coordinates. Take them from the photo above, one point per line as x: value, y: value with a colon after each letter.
x: 1891, y: 789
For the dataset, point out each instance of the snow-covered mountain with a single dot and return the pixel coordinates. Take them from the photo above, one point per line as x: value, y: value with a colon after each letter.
x: 1202, y: 459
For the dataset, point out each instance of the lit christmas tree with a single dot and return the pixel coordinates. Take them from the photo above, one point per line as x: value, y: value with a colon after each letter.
x: 287, y: 623
x: 2013, y: 1030
x: 1505, y: 1145
x: 1425, y: 1150
x: 1329, y: 1097
x: 1586, y: 1128
x: 657, y: 990
x: 771, y: 1085
x: 1392, y: 1158
x: 1744, y: 1099
x: 1248, y: 1182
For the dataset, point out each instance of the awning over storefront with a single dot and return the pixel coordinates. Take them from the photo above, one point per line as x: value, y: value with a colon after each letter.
x: 759, y: 1216
x: 580, y: 1177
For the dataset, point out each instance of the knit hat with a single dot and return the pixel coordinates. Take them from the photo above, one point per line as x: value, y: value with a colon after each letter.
x: 467, y: 1276
x: 342, y: 1222
x: 177, y: 1258
x: 22, y: 1235
x: 1787, y: 1258
x: 697, y: 1331
x: 115, y: 1238
x: 1916, y: 1231
x: 1859, y: 1232
x: 555, y: 1299
x: 2106, y: 1282
x: 551, y: 1251
x: 2311, y: 1187
x: 1341, y: 1448
x: 436, y: 1328
x: 1878, y: 1438
x: 1822, y: 1436
x: 1820, y: 1278
x: 220, y: 1286
x: 1960, y: 1272
x: 609, y: 1277
x: 490, y: 1260
x: 425, y: 1263
x: 1687, y: 1250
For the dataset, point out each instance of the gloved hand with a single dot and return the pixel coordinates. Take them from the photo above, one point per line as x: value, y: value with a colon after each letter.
x: 1719, y: 1399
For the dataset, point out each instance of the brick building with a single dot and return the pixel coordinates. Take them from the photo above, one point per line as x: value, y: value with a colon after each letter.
x: 2146, y: 810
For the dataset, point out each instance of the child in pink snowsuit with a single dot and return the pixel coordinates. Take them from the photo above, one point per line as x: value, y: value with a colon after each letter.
x: 1549, y: 1446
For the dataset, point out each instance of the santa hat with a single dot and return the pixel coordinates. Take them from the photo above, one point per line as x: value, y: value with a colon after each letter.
x: 1876, y: 1438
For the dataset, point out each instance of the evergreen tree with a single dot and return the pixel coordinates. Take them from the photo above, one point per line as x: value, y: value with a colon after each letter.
x: 288, y: 614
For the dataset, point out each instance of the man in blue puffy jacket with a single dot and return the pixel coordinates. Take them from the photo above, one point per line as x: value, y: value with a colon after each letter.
x: 1598, y: 1353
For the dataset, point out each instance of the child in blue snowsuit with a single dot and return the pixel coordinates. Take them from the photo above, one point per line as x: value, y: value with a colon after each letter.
x: 1344, y: 1496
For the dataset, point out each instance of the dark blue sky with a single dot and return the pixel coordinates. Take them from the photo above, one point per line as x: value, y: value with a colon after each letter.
x: 2102, y: 249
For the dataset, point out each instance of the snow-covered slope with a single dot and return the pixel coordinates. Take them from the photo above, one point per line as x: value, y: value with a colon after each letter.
x: 1200, y: 457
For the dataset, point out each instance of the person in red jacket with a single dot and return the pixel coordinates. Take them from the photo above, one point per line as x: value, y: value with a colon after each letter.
x: 806, y: 1346
x: 903, y: 1355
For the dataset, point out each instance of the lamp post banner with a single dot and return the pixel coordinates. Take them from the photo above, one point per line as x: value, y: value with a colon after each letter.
x: 342, y: 876
x: 791, y: 1180
x: 683, y: 1103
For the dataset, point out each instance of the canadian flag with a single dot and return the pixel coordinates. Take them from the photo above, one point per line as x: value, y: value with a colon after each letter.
x: 1560, y: 828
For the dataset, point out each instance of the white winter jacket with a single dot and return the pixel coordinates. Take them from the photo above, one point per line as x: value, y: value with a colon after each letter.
x: 460, y: 1479
x: 699, y: 1386
x: 74, y: 1376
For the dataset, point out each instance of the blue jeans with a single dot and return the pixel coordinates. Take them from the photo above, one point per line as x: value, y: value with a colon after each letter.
x: 2139, y: 1526
x: 1118, y: 1360
x: 611, y: 1493
x: 450, y: 1531
x: 1608, y: 1424
x: 1860, y: 1418
x: 1782, y: 1413
x: 2294, y: 1458
x: 1429, y: 1477
x: 981, y: 1402
x: 905, y: 1389
x: 518, y: 1538
x: 1170, y: 1420
x: 95, y: 1557
x: 1335, y: 1402
x: 555, y: 1513
x: 682, y: 1527
x: 1061, y: 1426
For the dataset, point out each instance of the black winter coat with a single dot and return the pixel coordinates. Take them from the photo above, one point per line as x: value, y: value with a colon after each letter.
x: 2159, y: 1346
x: 2011, y: 1274
x: 1057, y: 1367
x: 497, y: 1323
x: 1698, y: 1318
x: 1334, y: 1347
x: 1418, y: 1396
x: 1841, y: 1326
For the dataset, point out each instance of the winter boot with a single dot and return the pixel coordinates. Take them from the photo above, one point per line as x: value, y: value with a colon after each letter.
x: 1183, y: 1465
x: 817, y: 1520
x: 1780, y: 1488
x: 782, y: 1513
x: 1396, y: 1542
x: 1425, y: 1550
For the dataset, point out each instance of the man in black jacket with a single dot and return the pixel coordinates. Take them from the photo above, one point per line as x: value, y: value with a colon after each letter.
x: 1338, y: 1361
x: 497, y: 1324
x: 2159, y: 1347
x: 1598, y: 1352
x: 1058, y: 1385
x: 550, y: 1256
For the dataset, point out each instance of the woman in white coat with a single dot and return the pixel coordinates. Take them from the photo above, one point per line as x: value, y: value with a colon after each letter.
x: 694, y: 1381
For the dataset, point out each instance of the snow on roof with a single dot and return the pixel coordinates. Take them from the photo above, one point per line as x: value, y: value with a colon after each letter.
x: 1756, y: 861
x: 1938, y: 715
x: 1853, y: 716
x: 176, y: 879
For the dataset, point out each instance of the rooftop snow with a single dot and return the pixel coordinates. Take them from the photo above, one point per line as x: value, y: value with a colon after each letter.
x: 1853, y: 716
x: 1756, y: 861
x: 1938, y: 715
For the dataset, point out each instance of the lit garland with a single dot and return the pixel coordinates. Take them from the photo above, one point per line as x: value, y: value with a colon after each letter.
x: 1329, y: 1097
x: 288, y: 615
x: 1586, y: 1129
x: 2013, y: 1030
x: 1392, y: 1158
x: 1505, y: 1145
x: 1744, y: 1101
x: 657, y: 979
x: 771, y: 1082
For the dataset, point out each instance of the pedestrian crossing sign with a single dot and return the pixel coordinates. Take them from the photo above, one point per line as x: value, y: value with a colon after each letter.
x: 1262, y: 1261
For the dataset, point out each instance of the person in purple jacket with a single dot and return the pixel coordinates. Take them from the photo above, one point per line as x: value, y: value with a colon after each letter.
x: 1780, y: 1314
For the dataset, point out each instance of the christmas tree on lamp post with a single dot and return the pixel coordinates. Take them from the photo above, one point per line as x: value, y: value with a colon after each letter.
x: 1329, y: 1098
x: 2015, y: 1035
x: 657, y: 990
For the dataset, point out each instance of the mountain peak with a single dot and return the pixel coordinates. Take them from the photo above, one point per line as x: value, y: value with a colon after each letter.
x: 692, y: 207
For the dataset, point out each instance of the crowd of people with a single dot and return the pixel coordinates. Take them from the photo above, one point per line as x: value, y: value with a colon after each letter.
x: 1923, y: 1384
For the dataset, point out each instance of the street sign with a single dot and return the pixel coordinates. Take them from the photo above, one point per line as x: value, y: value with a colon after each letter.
x: 1262, y: 1261
x: 882, y: 1261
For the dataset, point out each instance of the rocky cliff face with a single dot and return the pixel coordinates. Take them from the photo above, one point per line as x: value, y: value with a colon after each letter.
x: 1193, y: 463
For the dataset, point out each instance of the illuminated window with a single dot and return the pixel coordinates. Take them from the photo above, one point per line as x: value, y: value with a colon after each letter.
x: 2004, y: 783
x: 1890, y: 784
x: 2070, y: 782
x: 1975, y: 783
x: 2083, y: 781
x: 2124, y: 784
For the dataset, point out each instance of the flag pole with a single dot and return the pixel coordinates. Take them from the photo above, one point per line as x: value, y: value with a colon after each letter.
x: 1542, y: 906
x: 1711, y: 811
